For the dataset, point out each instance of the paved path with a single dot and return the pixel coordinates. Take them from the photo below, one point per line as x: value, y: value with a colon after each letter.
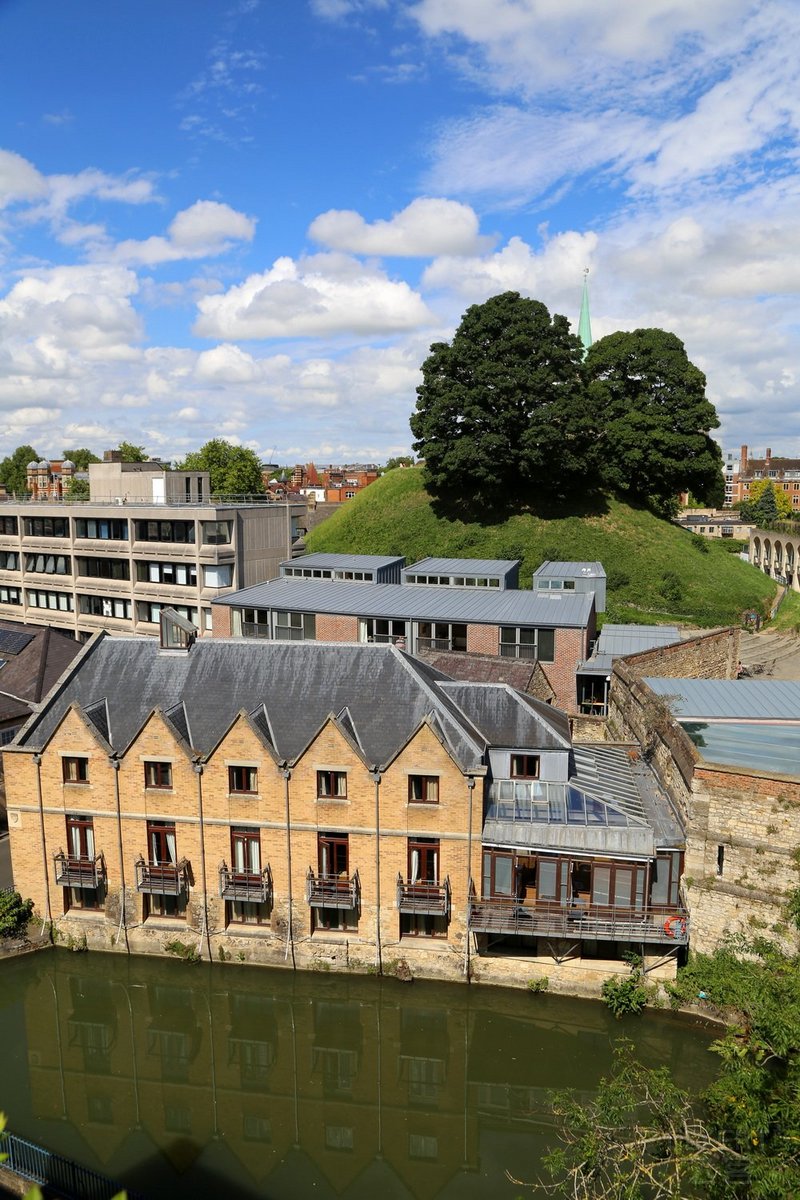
x: 5, y: 862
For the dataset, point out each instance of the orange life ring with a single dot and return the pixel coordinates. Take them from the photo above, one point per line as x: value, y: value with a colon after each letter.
x: 675, y: 925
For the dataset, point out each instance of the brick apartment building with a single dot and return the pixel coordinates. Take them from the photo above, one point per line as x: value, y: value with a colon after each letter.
x: 552, y: 629
x: 783, y: 474
x: 306, y: 804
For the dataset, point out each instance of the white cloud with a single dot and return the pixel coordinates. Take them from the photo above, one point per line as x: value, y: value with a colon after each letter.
x: 428, y: 226
x: 206, y: 228
x: 19, y: 179
x: 516, y: 267
x: 226, y: 364
x: 327, y: 295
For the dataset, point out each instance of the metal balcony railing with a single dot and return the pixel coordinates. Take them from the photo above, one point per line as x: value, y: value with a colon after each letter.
x: 440, y: 644
x: 254, y: 887
x: 162, y: 879
x: 332, y: 891
x: 78, y: 871
x: 424, y: 897
x: 576, y: 922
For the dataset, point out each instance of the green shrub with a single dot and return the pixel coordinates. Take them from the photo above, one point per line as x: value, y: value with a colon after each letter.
x: 538, y: 985
x: 14, y: 914
x: 182, y: 950
x: 626, y: 996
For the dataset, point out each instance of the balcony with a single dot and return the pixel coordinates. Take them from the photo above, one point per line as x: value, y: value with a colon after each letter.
x: 579, y: 922
x: 76, y: 871
x: 163, y: 879
x: 332, y: 891
x: 423, y: 897
x: 253, y: 887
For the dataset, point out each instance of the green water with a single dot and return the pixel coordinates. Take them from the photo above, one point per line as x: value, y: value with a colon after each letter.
x: 196, y: 1081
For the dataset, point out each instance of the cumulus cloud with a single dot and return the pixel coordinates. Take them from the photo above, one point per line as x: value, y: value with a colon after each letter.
x: 325, y: 295
x: 516, y: 267
x: 428, y: 226
x: 206, y: 229
x: 19, y: 179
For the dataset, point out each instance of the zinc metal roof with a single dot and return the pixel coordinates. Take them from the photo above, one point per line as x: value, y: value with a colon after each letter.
x: 345, y: 562
x: 618, y: 640
x: 570, y: 570
x: 463, y: 566
x: 397, y: 601
x: 732, y: 699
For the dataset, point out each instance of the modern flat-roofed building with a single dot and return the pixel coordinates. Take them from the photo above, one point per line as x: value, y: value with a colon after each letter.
x: 347, y: 568
x: 498, y: 573
x: 154, y: 538
x: 554, y: 630
x: 580, y: 577
x: 346, y: 804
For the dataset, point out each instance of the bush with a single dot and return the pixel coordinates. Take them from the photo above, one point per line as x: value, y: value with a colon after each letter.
x: 627, y: 996
x: 538, y: 985
x: 671, y: 587
x: 181, y: 950
x: 14, y: 914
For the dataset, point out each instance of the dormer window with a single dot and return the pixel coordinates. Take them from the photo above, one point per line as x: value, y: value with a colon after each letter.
x: 525, y: 766
x: 177, y: 633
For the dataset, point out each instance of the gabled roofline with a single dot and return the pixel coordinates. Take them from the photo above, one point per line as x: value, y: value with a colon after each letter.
x: 176, y: 733
x: 46, y: 702
x: 331, y: 719
x: 241, y: 715
x: 430, y: 721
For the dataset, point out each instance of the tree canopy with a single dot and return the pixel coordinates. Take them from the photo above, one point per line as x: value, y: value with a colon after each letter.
x: 765, y: 503
x: 14, y: 468
x: 131, y: 453
x: 501, y: 413
x: 233, y: 470
x: 81, y: 456
x: 653, y: 418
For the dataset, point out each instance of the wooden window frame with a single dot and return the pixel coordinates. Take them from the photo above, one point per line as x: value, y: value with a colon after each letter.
x: 531, y: 763
x: 153, y: 771
x: 247, y: 777
x: 424, y: 782
x: 333, y: 778
x: 81, y: 764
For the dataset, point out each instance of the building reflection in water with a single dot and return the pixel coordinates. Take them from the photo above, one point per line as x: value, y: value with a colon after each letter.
x: 189, y: 1080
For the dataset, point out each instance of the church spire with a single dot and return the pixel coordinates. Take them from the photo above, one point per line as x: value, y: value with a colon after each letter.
x: 585, y: 324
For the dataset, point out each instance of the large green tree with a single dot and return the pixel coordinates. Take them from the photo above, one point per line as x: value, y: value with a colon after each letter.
x: 132, y: 453
x: 501, y: 415
x: 653, y: 417
x: 14, y: 468
x: 81, y: 456
x: 233, y: 470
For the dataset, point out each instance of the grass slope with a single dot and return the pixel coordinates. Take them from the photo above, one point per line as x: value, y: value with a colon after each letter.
x: 656, y: 572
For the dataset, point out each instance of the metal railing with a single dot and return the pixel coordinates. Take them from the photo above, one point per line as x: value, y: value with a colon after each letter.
x: 162, y: 879
x: 79, y: 871
x: 253, y: 629
x: 423, y: 896
x: 61, y: 1176
x: 254, y: 887
x: 332, y: 891
x: 581, y: 922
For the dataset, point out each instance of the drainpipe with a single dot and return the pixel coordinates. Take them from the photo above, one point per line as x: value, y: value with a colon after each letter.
x: 286, y: 772
x: 375, y: 776
x: 198, y: 768
x: 123, y: 924
x: 471, y: 793
x: 48, y: 916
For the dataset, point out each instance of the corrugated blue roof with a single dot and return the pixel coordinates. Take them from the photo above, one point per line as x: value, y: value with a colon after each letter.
x: 400, y: 602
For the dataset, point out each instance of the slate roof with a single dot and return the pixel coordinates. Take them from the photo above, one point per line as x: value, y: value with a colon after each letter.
x: 482, y: 668
x: 505, y: 716
x: 29, y: 674
x: 289, y: 689
x: 400, y: 602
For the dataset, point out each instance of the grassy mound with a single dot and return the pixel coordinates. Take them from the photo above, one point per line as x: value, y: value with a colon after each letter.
x: 656, y: 572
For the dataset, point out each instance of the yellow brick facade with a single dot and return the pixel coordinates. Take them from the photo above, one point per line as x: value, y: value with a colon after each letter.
x: 375, y: 815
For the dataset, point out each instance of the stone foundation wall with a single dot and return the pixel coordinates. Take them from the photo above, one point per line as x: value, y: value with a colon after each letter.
x: 712, y: 655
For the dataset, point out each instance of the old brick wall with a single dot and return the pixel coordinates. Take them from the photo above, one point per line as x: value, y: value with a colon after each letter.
x: 221, y: 620
x: 712, y: 655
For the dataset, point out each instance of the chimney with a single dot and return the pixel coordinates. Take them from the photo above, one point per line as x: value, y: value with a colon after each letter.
x: 743, y: 461
x: 769, y: 456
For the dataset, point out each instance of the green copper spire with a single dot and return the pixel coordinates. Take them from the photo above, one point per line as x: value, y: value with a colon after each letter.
x: 585, y: 325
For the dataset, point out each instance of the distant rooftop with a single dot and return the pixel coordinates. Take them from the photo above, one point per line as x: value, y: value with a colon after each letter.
x: 617, y: 640
x: 463, y: 566
x: 570, y: 570
x: 347, y: 562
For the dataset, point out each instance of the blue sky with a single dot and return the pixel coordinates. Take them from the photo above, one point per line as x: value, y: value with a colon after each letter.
x: 251, y: 221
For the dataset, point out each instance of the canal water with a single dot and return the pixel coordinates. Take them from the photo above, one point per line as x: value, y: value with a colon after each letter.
x: 195, y: 1081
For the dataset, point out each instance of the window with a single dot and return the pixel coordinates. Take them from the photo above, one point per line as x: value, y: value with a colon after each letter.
x: 47, y: 527
x: 105, y: 606
x: 75, y: 769
x: 517, y: 642
x: 331, y: 785
x: 60, y: 601
x: 8, y: 525
x: 295, y: 626
x: 151, y: 613
x: 440, y: 635
x: 158, y: 775
x: 251, y: 622
x: 525, y: 766
x: 9, y: 560
x: 182, y: 574
x: 163, y: 853
x: 334, y: 870
x: 378, y: 629
x: 423, y: 789
x: 720, y: 860
x: 180, y: 532
x: 104, y: 530
x: 421, y: 1145
x: 103, y: 568
x: 216, y: 533
x: 10, y: 595
x: 219, y: 576
x: 243, y: 780
x: 339, y: 1137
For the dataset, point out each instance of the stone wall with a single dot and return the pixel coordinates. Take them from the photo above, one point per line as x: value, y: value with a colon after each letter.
x: 712, y: 655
